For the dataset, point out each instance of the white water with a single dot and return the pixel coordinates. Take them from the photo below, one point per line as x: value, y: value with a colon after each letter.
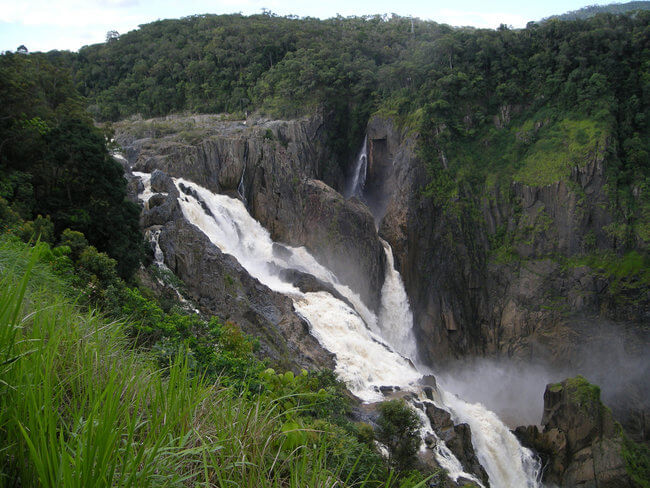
x: 358, y: 181
x: 395, y: 316
x: 363, y: 344
x: 504, y: 460
x: 443, y: 454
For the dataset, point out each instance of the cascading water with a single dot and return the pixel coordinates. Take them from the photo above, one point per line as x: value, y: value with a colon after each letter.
x: 395, y: 316
x: 358, y: 181
x: 240, y: 188
x: 370, y: 351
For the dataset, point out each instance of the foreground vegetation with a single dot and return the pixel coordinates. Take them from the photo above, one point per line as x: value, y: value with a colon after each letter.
x: 81, y: 406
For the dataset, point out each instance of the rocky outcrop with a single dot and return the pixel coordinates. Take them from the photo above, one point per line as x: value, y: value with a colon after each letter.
x: 217, y: 284
x: 580, y: 443
x: 458, y: 439
x: 274, y: 167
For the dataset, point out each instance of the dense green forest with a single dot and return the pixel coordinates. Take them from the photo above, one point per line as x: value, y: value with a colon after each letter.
x: 56, y: 172
x: 612, y: 8
x: 563, y: 88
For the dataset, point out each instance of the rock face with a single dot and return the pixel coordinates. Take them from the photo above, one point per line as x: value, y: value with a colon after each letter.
x: 218, y: 284
x: 471, y: 297
x: 580, y: 443
x: 274, y: 167
x: 458, y: 439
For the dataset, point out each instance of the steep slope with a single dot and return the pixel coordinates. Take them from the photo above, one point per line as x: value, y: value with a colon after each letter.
x: 536, y: 294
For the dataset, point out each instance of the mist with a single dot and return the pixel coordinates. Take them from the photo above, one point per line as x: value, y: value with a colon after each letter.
x: 614, y: 359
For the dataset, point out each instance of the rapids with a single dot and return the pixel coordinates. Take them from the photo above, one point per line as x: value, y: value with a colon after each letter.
x: 371, y: 351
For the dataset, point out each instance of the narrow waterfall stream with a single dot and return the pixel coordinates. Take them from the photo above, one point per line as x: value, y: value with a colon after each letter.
x: 358, y: 180
x: 370, y: 351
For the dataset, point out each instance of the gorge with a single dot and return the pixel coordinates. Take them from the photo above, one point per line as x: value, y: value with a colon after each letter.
x: 379, y: 251
x: 362, y: 319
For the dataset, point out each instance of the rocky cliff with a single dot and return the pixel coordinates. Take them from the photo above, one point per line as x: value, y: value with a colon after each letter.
x: 579, y: 442
x: 275, y: 167
x: 506, y: 272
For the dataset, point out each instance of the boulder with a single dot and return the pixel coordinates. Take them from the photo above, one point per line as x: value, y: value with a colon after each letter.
x: 580, y: 444
x: 458, y: 439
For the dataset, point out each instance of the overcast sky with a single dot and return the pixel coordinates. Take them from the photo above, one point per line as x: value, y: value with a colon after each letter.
x: 42, y: 25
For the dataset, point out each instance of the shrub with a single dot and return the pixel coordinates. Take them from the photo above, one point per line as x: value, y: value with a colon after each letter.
x: 398, y: 429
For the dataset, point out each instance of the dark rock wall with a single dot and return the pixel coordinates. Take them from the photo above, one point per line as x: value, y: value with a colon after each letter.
x: 275, y: 166
x: 465, y: 299
x: 579, y: 441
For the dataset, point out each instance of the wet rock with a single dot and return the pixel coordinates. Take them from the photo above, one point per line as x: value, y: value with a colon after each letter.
x: 156, y: 200
x: 458, y: 439
x: 161, y: 182
x: 308, y: 283
x: 220, y: 286
x: 342, y: 236
x: 429, y: 380
x: 580, y: 443
x: 165, y: 209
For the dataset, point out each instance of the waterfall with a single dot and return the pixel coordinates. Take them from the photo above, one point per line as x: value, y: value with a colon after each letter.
x: 358, y: 181
x: 499, y: 452
x: 395, y: 316
x: 370, y: 351
x: 240, y: 188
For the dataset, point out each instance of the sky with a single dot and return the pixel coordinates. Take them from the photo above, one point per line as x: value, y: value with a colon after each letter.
x: 42, y: 25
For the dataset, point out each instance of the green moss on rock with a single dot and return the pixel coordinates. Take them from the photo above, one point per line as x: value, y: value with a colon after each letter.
x: 583, y: 392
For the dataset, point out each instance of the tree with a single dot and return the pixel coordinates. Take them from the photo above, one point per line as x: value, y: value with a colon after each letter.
x: 22, y: 49
x: 398, y: 429
x: 112, y: 35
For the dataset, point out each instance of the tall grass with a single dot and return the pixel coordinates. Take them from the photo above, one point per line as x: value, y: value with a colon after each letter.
x: 79, y: 408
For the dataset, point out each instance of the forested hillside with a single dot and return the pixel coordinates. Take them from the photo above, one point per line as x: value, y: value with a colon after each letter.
x: 559, y: 90
x: 612, y: 8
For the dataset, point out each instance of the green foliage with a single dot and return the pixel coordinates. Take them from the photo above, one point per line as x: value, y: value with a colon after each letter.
x: 398, y: 429
x: 39, y: 229
x: 75, y: 240
x: 55, y: 170
x: 637, y: 461
x: 559, y: 148
x: 628, y: 275
x: 591, y: 10
x: 583, y: 392
x: 79, y: 407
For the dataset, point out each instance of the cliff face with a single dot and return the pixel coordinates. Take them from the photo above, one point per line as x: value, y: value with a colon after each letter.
x: 579, y: 442
x: 504, y: 273
x: 473, y: 294
x: 273, y: 166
